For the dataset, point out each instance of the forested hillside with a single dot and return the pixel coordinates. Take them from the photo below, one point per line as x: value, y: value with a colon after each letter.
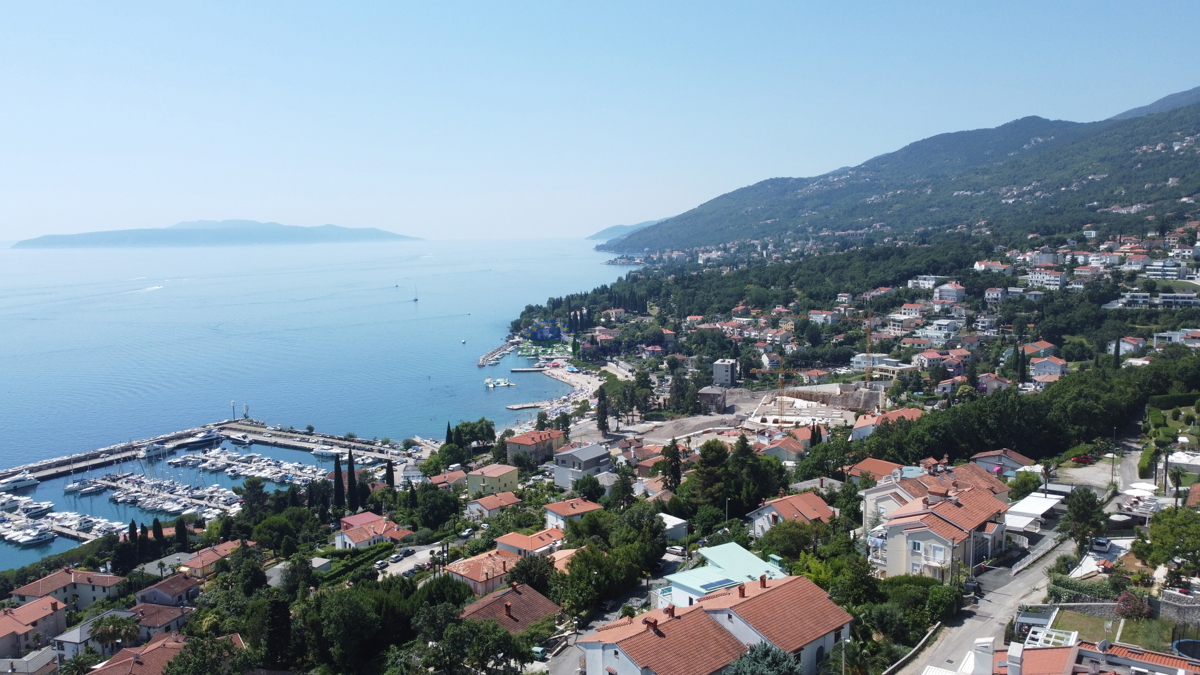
x: 1030, y: 175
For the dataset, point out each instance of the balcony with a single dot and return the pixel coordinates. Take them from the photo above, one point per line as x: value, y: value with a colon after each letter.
x: 878, y: 556
x: 935, y: 560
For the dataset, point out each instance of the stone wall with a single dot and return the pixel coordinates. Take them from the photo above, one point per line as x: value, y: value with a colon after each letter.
x: 1178, y: 608
x: 1104, y: 610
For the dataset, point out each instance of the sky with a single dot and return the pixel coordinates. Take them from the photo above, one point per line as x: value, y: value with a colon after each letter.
x: 463, y: 120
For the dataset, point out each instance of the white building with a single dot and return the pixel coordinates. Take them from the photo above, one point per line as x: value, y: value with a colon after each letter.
x: 725, y: 372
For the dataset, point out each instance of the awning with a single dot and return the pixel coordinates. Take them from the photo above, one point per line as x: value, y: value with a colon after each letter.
x: 1016, y: 523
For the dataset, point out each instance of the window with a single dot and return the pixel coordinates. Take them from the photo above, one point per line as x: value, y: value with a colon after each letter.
x: 939, y: 552
x: 916, y: 546
x: 837, y: 635
x: 916, y: 568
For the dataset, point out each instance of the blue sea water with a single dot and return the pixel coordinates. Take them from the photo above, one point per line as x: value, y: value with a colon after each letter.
x: 106, y: 345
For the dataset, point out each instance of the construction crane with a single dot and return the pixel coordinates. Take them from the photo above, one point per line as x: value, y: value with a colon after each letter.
x: 779, y: 392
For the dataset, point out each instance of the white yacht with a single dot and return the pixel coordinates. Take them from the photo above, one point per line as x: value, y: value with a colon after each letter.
x: 21, y: 480
x: 206, y: 437
x: 35, y: 509
x: 92, y: 489
x: 154, y: 451
x: 77, y: 485
x: 33, y: 538
x: 7, y: 502
x: 325, y: 451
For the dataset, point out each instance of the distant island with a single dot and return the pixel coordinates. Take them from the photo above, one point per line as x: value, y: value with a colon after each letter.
x: 214, y: 233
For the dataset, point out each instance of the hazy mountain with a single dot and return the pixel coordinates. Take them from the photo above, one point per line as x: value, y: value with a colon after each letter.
x: 1179, y: 100
x: 213, y: 233
x: 618, y: 231
x: 1030, y: 175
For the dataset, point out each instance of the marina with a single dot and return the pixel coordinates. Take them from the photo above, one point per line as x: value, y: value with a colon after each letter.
x: 493, y: 357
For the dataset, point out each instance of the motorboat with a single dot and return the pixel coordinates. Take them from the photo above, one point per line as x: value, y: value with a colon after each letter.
x: 154, y: 451
x: 21, y: 480
x: 8, y: 502
x: 92, y: 489
x: 35, y: 537
x: 206, y: 437
x: 77, y: 485
x: 35, y: 509
x: 241, y: 439
x: 325, y: 451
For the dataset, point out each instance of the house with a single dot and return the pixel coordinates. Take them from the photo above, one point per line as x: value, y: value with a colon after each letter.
x: 539, y: 445
x: 924, y: 282
x: 76, y: 588
x: 912, y: 309
x: 204, y: 564
x: 1164, y: 269
x: 178, y: 590
x: 865, y: 425
x: 491, y: 479
x: 367, y: 529
x: 790, y: 448
x: 485, y: 572
x: 712, y: 399
x: 1001, y: 462
x: 993, y: 266
x: 1048, y: 279
x: 725, y: 372
x: 823, y: 317
x: 539, y: 543
x: 771, y: 361
x: 559, y: 513
x: 615, y: 314
x: 1051, y: 365
x: 676, y: 528
x: 155, y: 619
x: 949, y: 292
x: 30, y: 626
x: 571, y: 465
x: 490, y: 505
x: 806, y: 507
x: 151, y: 658
x: 1039, y: 349
x: 79, y: 638
x: 515, y: 607
x: 995, y: 295
x: 914, y: 482
x: 872, y: 468
x: 728, y: 565
x: 448, y: 480
x: 814, y: 376
x: 1129, y: 345
x: 948, y: 528
x: 949, y: 386
x: 410, y: 474
x: 990, y: 383
x: 708, y: 635
x: 927, y: 359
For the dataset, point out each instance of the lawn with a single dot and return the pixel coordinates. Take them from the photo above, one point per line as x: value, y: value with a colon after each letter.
x: 1151, y: 634
x: 1090, y: 628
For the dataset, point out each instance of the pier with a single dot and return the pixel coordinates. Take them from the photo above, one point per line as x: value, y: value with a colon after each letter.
x: 529, y: 370
x: 525, y: 406
x: 56, y: 528
x: 496, y: 353
x: 113, y: 454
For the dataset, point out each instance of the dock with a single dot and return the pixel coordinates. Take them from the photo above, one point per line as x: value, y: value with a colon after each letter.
x: 525, y: 406
x: 113, y: 454
x: 496, y: 353
x: 60, y: 530
x: 528, y: 370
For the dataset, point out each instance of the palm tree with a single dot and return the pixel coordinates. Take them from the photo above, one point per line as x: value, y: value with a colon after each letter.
x: 1177, y: 474
x: 111, y: 629
x: 162, y: 569
x: 80, y: 664
x: 858, y: 659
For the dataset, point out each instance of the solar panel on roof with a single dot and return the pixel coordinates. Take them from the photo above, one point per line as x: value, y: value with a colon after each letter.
x: 720, y: 583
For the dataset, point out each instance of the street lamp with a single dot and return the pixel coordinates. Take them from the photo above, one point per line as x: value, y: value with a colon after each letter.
x: 727, y: 509
x: 845, y: 641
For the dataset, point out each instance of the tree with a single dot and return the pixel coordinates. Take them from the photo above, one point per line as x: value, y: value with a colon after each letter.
x: 670, y: 466
x: 622, y: 490
x: 310, y: 428
x: 389, y: 475
x: 351, y: 479
x: 1084, y: 519
x: 157, y: 528
x: 543, y: 420
x: 1174, y: 533
x: 857, y: 658
x: 297, y: 576
x: 1024, y: 484
x: 1176, y: 474
x: 272, y: 531
x: 788, y: 538
x: 111, y: 629
x: 183, y: 541
x: 485, y: 646
x: 589, y: 488
x: 449, y: 434
x: 602, y: 411
x: 709, y: 475
x: 533, y: 571
x: 765, y: 659
x: 278, y: 638
x: 339, y: 487
x: 82, y: 663
x: 203, y: 656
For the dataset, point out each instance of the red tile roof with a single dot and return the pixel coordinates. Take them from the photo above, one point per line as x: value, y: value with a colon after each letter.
x: 1039, y: 661
x: 807, y: 506
x: 535, y: 437
x: 531, y: 542
x: 493, y: 470
x: 692, y: 644
x: 174, y: 585
x: 497, y: 501
x: 448, y: 477
x: 572, y: 507
x: 57, y: 580
x: 773, y: 613
x: 1005, y: 452
x: 876, y: 468
x: 22, y: 619
x: 150, y: 615
x: 360, y: 519
x: 516, y: 608
x: 484, y: 566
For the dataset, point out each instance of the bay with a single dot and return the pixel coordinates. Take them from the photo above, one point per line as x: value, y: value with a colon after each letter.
x: 100, y: 346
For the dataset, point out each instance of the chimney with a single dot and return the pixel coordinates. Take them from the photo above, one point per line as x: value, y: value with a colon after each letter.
x: 741, y: 590
x: 671, y: 611
x: 821, y: 482
x: 925, y: 501
x: 513, y: 585
x: 946, y: 459
x: 508, y: 610
x: 983, y: 656
x: 652, y: 625
x: 762, y: 581
x: 1016, y: 654
x: 504, y: 565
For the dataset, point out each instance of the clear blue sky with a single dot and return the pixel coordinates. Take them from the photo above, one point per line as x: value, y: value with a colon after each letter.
x: 495, y: 119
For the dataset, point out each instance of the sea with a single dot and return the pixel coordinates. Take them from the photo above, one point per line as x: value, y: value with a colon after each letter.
x: 102, y: 346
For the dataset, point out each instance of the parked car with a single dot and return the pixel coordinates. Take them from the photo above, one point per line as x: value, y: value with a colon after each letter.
x: 676, y: 550
x: 395, y: 557
x: 467, y: 532
x: 1101, y: 544
x: 380, y: 564
x: 1083, y: 459
x: 406, y: 552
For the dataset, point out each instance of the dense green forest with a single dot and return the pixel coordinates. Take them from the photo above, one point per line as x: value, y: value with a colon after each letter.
x: 1030, y: 175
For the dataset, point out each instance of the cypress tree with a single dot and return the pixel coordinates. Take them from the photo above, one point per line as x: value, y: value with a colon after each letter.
x: 158, y: 531
x: 181, y: 536
x: 339, y: 488
x: 449, y: 434
x: 132, y: 536
x: 351, y: 483
x: 1117, y: 353
x: 602, y: 411
x: 389, y: 475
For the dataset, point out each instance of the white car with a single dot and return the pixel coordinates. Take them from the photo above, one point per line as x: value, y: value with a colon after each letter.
x: 466, y: 533
x: 676, y: 550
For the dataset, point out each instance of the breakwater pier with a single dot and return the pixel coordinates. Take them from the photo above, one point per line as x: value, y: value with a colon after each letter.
x: 494, y: 355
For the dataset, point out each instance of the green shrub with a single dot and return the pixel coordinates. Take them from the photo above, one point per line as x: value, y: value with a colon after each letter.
x: 1175, y: 413
x: 1147, y: 461
x: 1156, y: 419
x: 1173, y: 400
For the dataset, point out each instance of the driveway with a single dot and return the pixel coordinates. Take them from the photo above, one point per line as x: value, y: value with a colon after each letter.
x: 421, y: 556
